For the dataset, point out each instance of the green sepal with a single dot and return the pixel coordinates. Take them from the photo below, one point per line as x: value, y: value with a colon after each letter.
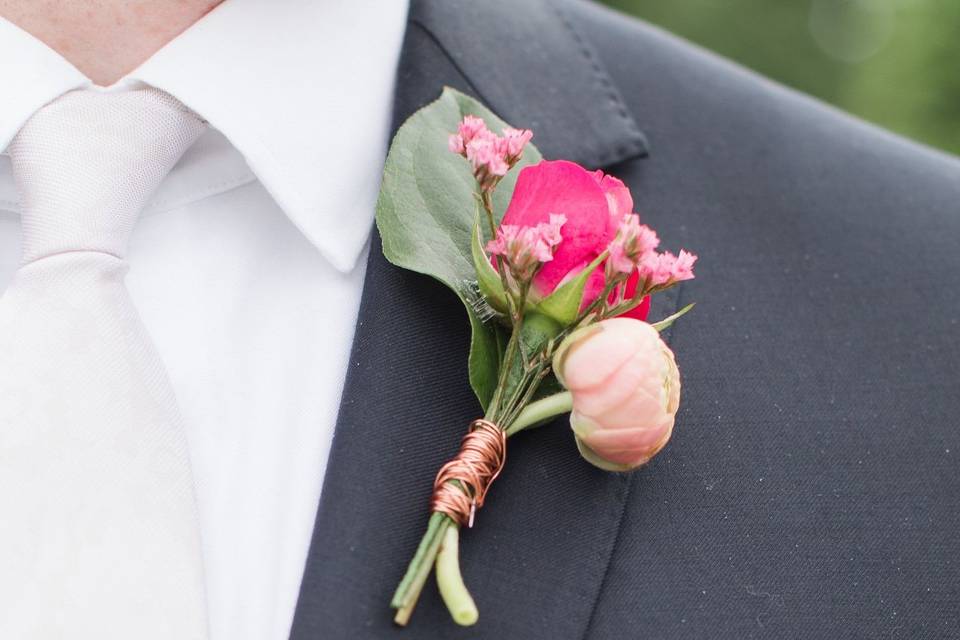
x: 488, y: 280
x: 669, y: 320
x: 591, y: 456
x: 563, y: 305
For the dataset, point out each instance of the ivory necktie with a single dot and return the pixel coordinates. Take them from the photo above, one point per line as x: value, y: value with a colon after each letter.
x: 98, y: 524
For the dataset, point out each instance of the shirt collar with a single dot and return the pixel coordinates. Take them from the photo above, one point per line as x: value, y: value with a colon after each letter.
x: 32, y: 75
x: 303, y: 89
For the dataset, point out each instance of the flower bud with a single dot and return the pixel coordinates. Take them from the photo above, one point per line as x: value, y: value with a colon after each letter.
x: 626, y: 390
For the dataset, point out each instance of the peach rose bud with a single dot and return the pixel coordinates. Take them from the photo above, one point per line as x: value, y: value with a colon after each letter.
x: 626, y: 390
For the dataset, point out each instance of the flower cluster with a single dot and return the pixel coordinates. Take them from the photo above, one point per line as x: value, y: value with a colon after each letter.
x: 664, y: 269
x: 524, y: 249
x: 490, y: 155
x: 633, y: 243
x: 635, y: 249
x: 568, y: 276
x: 599, y: 220
x: 622, y: 379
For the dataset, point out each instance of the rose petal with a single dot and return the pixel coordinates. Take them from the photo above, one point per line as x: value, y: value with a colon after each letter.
x: 562, y: 187
x: 628, y: 446
x: 633, y: 391
x: 637, y: 410
x: 593, y: 361
x: 618, y: 196
x: 619, y: 409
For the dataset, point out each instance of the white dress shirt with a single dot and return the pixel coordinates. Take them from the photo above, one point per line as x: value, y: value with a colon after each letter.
x: 247, y: 266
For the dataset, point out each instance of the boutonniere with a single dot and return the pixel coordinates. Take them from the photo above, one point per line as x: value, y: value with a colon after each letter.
x: 555, y: 272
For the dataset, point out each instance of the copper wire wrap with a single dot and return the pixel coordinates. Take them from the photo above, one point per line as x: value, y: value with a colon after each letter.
x: 482, y: 455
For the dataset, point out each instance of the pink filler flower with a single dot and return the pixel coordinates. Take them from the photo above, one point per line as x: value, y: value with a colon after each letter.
x: 490, y: 155
x: 633, y: 242
x: 525, y: 248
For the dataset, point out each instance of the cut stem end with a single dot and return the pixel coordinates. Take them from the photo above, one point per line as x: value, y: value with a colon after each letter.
x: 462, y: 608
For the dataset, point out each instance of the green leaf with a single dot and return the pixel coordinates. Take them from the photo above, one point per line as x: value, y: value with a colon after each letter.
x: 425, y: 214
x: 669, y: 320
x: 484, y: 359
x: 563, y: 305
x: 536, y: 332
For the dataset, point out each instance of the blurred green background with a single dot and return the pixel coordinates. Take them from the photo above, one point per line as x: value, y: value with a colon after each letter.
x: 892, y: 62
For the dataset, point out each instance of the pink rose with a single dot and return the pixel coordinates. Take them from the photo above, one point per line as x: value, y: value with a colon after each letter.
x: 626, y: 390
x: 594, y: 206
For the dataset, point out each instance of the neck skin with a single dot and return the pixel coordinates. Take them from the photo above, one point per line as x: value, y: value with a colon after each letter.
x: 105, y: 39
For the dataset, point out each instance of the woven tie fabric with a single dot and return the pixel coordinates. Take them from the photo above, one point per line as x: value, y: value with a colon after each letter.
x: 98, y: 521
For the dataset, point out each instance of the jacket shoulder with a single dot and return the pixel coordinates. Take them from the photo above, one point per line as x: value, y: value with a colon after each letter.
x: 672, y: 86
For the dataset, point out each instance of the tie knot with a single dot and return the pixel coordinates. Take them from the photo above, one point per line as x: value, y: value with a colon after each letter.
x: 86, y: 163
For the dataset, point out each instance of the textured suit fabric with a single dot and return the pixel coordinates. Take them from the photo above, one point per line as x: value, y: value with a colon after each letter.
x: 811, y: 486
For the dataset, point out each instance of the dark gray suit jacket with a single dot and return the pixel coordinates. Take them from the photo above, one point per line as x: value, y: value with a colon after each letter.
x: 812, y: 486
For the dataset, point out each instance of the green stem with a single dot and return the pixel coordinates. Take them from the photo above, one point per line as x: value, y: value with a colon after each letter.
x: 493, y: 410
x: 600, y: 300
x: 450, y: 581
x: 541, y: 410
x: 530, y: 384
x: 408, y: 592
x: 487, y: 200
x: 504, y: 415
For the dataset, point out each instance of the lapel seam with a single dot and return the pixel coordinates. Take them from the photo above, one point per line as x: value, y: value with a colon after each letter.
x: 571, y: 101
x: 607, y: 84
x: 621, y: 496
x: 625, y: 494
x: 616, y: 99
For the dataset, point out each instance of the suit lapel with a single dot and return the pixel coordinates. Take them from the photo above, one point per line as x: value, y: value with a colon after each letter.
x: 537, y: 556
